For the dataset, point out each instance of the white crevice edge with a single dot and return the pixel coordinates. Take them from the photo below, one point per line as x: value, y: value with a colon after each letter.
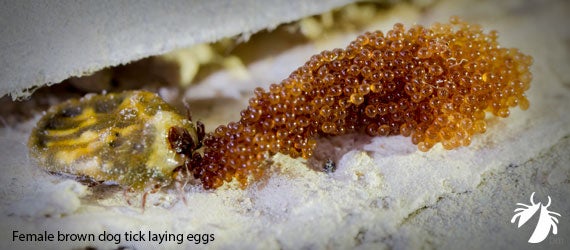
x: 47, y: 42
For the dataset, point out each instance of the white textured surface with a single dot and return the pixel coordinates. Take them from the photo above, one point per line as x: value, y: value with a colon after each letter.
x: 47, y: 42
x: 385, y: 194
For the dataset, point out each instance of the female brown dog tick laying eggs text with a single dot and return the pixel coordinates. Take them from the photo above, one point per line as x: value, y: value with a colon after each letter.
x: 433, y: 84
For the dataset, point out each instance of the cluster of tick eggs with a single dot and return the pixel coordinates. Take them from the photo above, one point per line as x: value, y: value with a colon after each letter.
x: 433, y: 84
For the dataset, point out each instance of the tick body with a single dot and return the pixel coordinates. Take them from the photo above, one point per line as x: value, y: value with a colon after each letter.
x: 125, y: 138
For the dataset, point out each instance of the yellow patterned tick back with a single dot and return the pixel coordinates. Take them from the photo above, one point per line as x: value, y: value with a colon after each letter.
x: 119, y: 137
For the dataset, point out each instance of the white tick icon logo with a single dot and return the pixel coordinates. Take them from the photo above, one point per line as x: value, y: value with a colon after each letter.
x: 546, y: 221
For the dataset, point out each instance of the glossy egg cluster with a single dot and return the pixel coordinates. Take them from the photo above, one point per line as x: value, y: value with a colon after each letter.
x: 432, y: 84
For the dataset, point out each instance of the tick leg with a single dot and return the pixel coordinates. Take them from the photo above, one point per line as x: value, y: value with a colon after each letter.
x: 188, y: 114
x: 201, y: 132
x: 181, y: 175
x: 125, y: 192
x: 145, y: 195
x: 180, y: 188
x: 144, y: 200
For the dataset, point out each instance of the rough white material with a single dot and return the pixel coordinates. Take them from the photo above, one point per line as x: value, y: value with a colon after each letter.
x: 53, y: 201
x: 48, y: 42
